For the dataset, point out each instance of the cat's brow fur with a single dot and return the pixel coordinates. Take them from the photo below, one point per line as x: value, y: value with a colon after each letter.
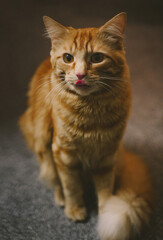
x: 74, y: 130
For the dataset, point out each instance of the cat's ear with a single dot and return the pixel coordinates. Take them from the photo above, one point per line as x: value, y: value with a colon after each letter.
x: 115, y: 26
x: 55, y: 31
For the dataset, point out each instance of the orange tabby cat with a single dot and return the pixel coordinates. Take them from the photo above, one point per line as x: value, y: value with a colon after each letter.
x: 78, y: 107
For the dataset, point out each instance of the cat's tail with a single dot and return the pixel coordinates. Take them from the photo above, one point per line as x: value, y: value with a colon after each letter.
x: 130, y: 207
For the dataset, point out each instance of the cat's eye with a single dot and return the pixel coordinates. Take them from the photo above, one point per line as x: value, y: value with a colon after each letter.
x: 68, y: 58
x: 97, y: 57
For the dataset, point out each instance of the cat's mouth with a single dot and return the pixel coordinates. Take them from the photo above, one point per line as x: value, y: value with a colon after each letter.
x: 80, y: 84
x: 82, y: 88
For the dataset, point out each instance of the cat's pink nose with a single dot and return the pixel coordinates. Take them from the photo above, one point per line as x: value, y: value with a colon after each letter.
x: 80, y: 76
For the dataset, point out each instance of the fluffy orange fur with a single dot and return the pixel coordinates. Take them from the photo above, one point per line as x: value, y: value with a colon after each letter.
x: 78, y: 106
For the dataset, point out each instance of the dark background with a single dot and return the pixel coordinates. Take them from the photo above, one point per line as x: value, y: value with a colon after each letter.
x: 27, y: 210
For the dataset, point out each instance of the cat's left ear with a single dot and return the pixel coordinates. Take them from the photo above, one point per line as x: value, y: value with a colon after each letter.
x: 115, y: 26
x: 55, y: 30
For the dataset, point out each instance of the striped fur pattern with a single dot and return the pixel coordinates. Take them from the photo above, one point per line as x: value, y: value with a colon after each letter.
x: 78, y: 106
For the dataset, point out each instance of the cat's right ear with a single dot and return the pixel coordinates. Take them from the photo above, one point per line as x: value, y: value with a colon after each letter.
x: 55, y: 31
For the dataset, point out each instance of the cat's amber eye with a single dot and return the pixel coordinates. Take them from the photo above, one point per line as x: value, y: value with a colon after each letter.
x: 97, y: 57
x: 68, y: 58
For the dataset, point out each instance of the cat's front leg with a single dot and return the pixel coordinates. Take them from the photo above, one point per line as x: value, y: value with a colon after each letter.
x: 69, y: 172
x: 48, y: 171
x: 103, y: 177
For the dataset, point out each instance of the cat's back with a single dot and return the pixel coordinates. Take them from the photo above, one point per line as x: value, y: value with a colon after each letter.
x: 43, y: 68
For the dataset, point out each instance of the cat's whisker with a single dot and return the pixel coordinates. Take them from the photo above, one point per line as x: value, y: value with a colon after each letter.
x: 50, y: 77
x: 113, y: 79
x: 44, y: 84
x: 107, y: 87
x: 96, y: 77
x: 44, y: 78
x: 106, y: 84
x: 50, y: 80
x: 52, y: 90
x: 49, y: 93
x: 60, y: 90
x: 117, y: 85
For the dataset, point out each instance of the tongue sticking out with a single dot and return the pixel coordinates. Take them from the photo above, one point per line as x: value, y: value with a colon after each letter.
x: 80, y: 83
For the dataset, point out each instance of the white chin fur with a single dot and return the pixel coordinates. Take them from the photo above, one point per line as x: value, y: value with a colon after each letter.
x: 119, y: 216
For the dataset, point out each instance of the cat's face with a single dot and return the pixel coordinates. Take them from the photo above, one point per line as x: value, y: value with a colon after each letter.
x: 85, y: 60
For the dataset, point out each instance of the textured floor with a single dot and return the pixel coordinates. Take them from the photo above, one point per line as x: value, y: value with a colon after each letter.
x: 27, y: 209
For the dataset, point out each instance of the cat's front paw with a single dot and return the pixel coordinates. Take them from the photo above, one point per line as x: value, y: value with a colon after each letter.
x: 76, y: 213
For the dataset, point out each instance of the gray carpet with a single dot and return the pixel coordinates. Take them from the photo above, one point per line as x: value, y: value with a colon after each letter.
x: 27, y: 209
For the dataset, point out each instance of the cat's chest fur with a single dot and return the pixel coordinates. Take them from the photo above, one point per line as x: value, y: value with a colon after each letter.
x: 89, y: 129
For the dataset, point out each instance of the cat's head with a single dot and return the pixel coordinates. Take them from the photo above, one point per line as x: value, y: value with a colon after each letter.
x: 88, y: 60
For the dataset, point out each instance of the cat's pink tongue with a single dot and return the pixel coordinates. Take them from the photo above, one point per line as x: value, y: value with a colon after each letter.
x: 80, y: 82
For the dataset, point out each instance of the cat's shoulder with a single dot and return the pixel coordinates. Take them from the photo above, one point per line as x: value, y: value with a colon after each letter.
x: 44, y: 67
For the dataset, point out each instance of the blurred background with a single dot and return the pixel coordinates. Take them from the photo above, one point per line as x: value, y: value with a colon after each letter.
x: 22, y: 49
